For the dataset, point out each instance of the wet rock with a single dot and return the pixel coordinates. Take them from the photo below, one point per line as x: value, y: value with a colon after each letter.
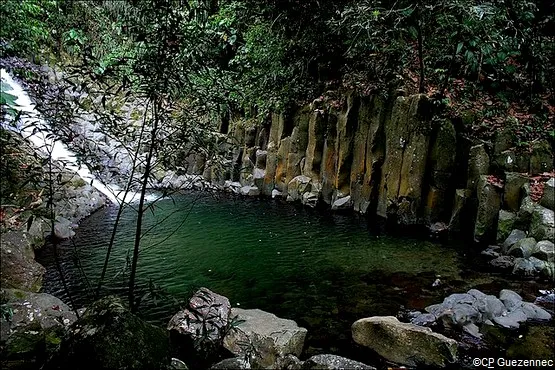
x: 542, y: 226
x: 472, y: 329
x: 404, y: 343
x: 513, y: 237
x: 546, y: 300
x: 545, y: 250
x: 264, y: 337
x: 523, y: 248
x: 289, y: 362
x: 109, y: 336
x: 206, y: 317
x: 333, y: 362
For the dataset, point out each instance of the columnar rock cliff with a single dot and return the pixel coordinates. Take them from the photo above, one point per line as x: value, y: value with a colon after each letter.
x: 392, y: 158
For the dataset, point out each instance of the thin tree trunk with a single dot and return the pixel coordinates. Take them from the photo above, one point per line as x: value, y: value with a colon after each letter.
x: 141, y: 210
x: 120, y: 211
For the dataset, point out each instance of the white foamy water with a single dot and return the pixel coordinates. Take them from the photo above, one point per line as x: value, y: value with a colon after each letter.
x: 34, y: 129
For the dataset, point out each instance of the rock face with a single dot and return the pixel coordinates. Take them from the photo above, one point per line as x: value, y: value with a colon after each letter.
x: 263, y: 337
x: 404, y: 343
x: 109, y: 336
x: 386, y: 157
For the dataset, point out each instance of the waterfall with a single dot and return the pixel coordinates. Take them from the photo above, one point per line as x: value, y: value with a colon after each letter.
x: 34, y: 129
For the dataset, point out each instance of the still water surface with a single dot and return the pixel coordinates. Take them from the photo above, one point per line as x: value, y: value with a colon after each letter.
x: 324, y: 271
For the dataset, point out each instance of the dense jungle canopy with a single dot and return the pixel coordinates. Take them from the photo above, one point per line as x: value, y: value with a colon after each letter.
x: 493, y: 59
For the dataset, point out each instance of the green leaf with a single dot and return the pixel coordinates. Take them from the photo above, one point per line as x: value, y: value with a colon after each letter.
x: 459, y: 47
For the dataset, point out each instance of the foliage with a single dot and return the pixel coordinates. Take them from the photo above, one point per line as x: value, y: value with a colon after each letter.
x: 26, y: 26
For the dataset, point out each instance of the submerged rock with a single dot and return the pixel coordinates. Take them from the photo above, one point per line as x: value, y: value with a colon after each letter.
x: 403, y: 343
x: 264, y: 337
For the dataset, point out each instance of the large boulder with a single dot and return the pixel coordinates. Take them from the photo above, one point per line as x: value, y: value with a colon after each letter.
x: 263, y: 337
x: 523, y: 248
x: 333, y: 362
x: 18, y: 268
x: 207, y: 316
x: 109, y: 336
x: 36, y: 326
x: 542, y: 226
x: 404, y: 343
x: 545, y: 250
x: 513, y: 238
x: 197, y: 332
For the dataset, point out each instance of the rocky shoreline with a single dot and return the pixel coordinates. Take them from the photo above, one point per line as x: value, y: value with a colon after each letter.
x: 209, y: 334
